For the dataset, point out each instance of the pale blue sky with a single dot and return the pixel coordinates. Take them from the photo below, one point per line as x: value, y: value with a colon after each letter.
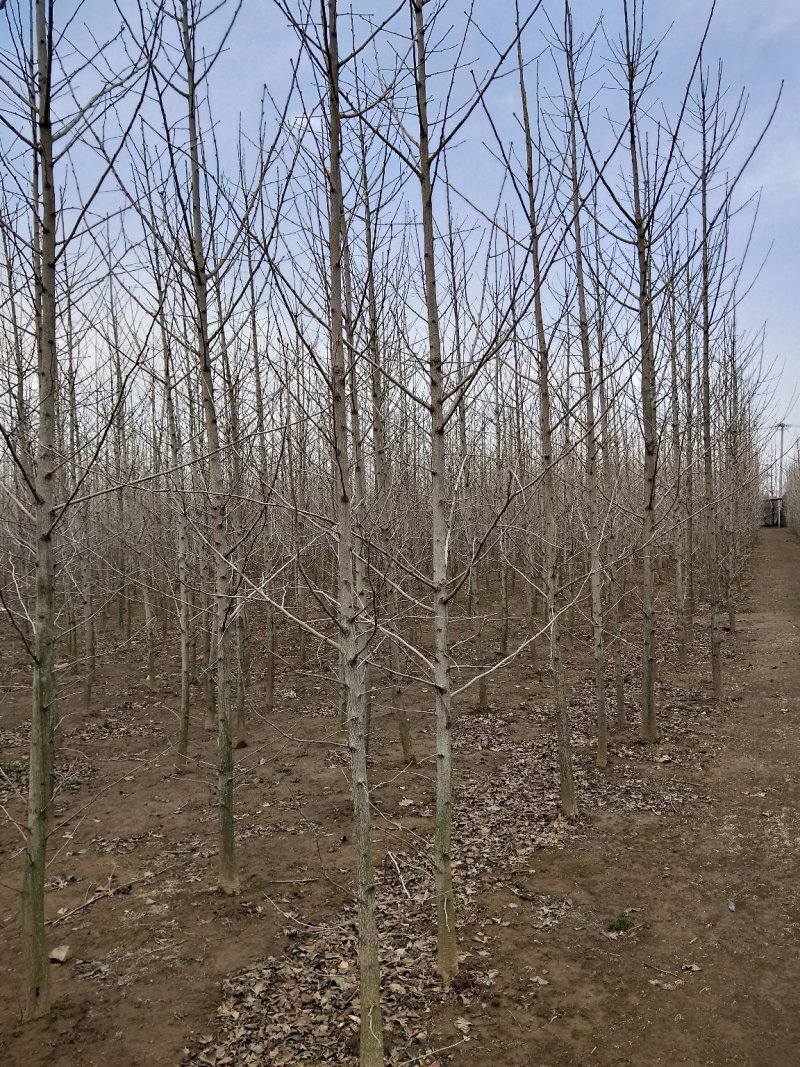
x: 759, y: 46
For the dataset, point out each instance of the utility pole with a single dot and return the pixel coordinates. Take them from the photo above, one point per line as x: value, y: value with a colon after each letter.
x: 781, y: 427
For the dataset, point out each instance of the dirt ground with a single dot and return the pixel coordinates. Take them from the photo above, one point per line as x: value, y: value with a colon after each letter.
x: 688, y: 848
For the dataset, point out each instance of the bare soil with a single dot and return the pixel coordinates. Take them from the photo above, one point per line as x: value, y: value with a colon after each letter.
x: 689, y: 847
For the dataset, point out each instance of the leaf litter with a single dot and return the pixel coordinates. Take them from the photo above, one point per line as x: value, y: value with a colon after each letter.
x: 303, y: 1007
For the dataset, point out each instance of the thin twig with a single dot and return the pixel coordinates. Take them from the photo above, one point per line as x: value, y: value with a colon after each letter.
x: 433, y: 1052
x: 105, y: 894
x: 662, y: 971
x: 289, y: 881
x: 399, y: 875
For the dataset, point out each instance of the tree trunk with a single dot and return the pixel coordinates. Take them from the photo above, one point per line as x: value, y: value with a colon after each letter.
x: 708, y: 460
x: 592, y: 480
x: 648, y: 723
x: 228, y: 877
x: 40, y: 784
x: 569, y: 802
x: 149, y: 629
x: 242, y: 673
x: 353, y: 674
x: 447, y: 944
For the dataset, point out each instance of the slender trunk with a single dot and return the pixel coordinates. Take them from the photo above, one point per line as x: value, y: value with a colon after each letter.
x: 648, y: 723
x: 242, y: 674
x: 182, y: 537
x: 359, y: 485
x: 616, y: 588
x: 569, y: 802
x: 124, y: 621
x: 533, y: 616
x: 733, y: 540
x: 592, y: 481
x: 477, y: 635
x: 504, y: 608
x: 680, y: 598
x: 71, y: 637
x: 620, y: 711
x: 228, y: 876
x: 447, y: 944
x: 383, y: 469
x: 689, y: 600
x: 353, y: 659
x: 269, y: 678
x: 82, y: 533
x: 210, y: 658
x: 473, y: 511
x: 149, y: 629
x: 398, y: 706
x: 40, y: 786
x: 708, y: 460
x: 233, y: 432
x: 186, y: 663
x: 89, y: 659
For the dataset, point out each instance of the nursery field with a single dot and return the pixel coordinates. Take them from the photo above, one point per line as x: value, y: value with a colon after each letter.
x: 394, y: 670
x: 659, y: 926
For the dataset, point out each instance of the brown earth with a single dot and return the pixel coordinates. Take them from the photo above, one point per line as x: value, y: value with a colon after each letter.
x: 693, y: 844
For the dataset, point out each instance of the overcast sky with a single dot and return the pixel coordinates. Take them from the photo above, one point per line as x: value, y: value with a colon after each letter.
x: 759, y: 46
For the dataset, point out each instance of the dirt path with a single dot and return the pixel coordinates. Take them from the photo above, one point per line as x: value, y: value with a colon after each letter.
x: 716, y: 890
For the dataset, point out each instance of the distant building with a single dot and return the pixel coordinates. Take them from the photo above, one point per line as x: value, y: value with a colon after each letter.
x: 774, y: 512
